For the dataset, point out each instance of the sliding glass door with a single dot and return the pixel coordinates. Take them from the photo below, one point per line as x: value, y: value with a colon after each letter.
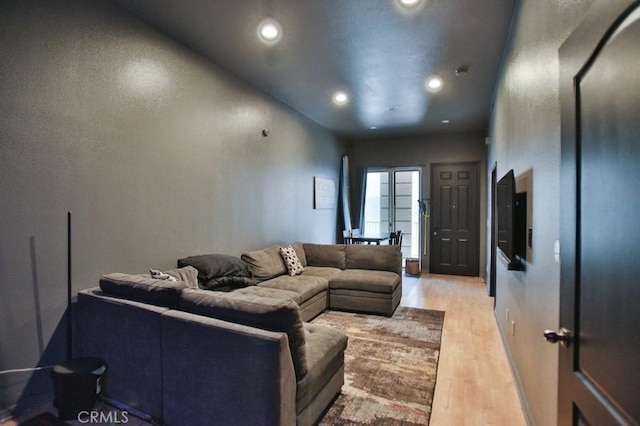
x: 391, y: 204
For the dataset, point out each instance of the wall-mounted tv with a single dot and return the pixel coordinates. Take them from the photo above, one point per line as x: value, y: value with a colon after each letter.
x: 512, y: 222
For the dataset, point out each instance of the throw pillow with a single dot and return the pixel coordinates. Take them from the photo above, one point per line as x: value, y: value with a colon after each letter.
x: 291, y: 260
x: 228, y: 283
x: 216, y: 265
x: 266, y: 263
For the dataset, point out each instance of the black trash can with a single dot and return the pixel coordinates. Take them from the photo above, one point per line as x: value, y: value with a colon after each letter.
x: 76, y: 386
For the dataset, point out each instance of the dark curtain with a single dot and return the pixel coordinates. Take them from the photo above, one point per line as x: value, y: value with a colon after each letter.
x: 344, y: 193
x: 352, y: 195
x: 358, y: 193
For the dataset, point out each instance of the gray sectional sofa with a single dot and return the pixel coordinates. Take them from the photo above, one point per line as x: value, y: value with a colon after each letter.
x: 189, y: 356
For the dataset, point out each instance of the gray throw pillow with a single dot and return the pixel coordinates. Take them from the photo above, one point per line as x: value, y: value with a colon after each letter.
x: 212, y: 266
x: 266, y: 263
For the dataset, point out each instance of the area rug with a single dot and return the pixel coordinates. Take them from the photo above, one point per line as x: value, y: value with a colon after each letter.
x: 390, y: 367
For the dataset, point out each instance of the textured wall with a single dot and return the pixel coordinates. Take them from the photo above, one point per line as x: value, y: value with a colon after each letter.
x: 155, y: 151
x: 525, y: 136
x: 424, y: 151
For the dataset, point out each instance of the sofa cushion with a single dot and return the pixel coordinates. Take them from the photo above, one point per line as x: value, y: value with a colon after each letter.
x: 331, y: 255
x: 255, y: 311
x: 274, y: 293
x: 366, y: 280
x: 378, y: 258
x: 305, y: 286
x: 266, y: 263
x: 143, y: 289
x: 325, y: 272
x: 299, y: 248
x: 325, y: 355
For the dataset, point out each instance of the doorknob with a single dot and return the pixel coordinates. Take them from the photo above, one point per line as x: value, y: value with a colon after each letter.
x: 563, y: 336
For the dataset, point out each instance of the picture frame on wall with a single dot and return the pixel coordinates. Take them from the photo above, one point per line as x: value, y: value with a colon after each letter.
x: 324, y: 193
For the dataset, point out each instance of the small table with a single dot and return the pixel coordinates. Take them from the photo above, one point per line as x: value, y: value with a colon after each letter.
x: 369, y: 239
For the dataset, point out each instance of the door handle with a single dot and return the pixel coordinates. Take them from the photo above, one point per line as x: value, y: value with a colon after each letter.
x: 563, y: 336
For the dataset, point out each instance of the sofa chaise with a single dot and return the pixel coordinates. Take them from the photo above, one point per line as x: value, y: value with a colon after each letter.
x: 358, y: 278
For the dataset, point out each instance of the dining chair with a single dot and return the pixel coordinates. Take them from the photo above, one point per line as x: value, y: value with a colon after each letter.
x: 395, y: 238
x: 355, y: 232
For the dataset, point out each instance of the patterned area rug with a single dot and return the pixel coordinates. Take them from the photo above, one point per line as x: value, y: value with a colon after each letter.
x: 390, y: 367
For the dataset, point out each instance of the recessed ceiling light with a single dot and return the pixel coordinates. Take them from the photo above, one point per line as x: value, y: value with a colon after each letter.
x: 409, y: 3
x: 434, y: 83
x: 373, y: 127
x: 269, y: 31
x: 445, y: 121
x: 340, y: 98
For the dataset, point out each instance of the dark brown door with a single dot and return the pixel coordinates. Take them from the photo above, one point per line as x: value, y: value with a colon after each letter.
x: 599, y: 382
x: 455, y: 220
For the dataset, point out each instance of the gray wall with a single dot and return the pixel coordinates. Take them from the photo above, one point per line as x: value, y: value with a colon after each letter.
x: 423, y: 151
x: 157, y: 153
x: 525, y: 136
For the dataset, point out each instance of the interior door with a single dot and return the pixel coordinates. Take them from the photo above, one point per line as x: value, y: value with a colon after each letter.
x: 599, y: 381
x: 455, y: 219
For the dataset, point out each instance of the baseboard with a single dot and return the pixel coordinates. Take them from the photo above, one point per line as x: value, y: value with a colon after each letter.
x: 516, y: 377
x: 130, y: 410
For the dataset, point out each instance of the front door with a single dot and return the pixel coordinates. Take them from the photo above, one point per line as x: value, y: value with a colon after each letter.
x: 455, y: 219
x: 599, y: 382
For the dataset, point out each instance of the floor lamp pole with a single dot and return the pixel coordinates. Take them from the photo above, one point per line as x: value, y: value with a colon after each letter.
x: 69, y: 290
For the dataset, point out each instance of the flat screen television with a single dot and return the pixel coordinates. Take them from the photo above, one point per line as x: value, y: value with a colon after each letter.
x: 512, y: 222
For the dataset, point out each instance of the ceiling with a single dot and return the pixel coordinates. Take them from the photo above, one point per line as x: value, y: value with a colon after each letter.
x: 377, y: 51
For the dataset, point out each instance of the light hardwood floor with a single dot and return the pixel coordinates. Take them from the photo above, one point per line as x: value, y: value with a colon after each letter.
x: 474, y: 384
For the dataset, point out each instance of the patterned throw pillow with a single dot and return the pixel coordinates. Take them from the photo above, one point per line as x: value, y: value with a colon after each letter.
x: 159, y: 275
x: 294, y: 266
